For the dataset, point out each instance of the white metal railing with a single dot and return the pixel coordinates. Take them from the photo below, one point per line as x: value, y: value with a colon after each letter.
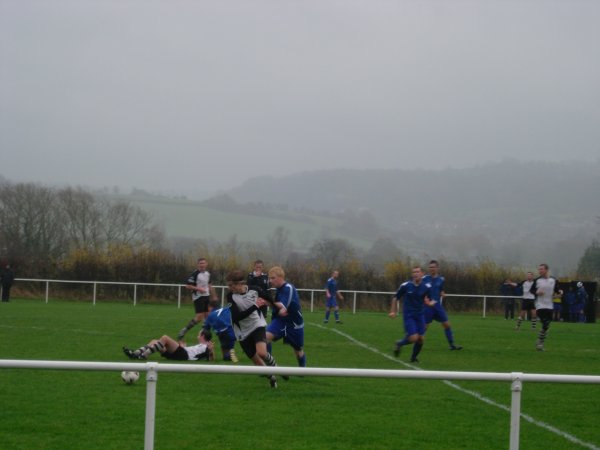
x: 152, y: 368
x: 223, y: 292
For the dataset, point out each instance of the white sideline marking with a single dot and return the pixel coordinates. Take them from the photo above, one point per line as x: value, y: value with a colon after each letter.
x: 477, y: 395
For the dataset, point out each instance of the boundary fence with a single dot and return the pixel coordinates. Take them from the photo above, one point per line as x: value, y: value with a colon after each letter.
x: 222, y: 290
x: 516, y: 380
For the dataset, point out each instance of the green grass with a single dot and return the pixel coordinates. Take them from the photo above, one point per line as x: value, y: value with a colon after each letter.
x: 44, y: 409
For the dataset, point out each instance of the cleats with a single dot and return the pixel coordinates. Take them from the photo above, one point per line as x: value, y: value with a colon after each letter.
x: 233, y: 356
x: 339, y: 322
x: 129, y: 353
x: 326, y: 321
x: 455, y: 347
x: 397, y: 350
x: 414, y: 360
x: 273, y: 381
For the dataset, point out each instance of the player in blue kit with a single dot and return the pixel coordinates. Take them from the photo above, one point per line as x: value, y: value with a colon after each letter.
x: 287, y: 322
x: 332, y: 294
x: 416, y: 295
x: 436, y: 311
x: 220, y: 321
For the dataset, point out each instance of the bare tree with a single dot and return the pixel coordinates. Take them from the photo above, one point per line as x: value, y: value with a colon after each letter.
x: 83, y: 218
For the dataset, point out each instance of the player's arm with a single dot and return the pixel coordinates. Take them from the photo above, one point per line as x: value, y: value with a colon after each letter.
x: 428, y: 301
x: 210, y: 348
x: 394, y: 307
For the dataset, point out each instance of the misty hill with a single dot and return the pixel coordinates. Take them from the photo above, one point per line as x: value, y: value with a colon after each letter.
x: 512, y: 211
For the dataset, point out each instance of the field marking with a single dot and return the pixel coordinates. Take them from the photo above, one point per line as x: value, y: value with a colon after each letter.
x: 475, y: 394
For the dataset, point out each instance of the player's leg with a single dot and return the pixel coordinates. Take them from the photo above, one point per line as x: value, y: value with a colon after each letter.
x: 336, y: 313
x: 545, y: 316
x: 534, y: 318
x: 441, y: 316
x: 327, y: 313
x: 410, y: 336
x: 201, y: 310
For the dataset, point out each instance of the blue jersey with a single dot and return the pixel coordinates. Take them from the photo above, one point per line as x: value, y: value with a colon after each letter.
x: 332, y: 287
x: 414, y: 296
x: 219, y: 320
x: 437, y: 286
x: 288, y: 296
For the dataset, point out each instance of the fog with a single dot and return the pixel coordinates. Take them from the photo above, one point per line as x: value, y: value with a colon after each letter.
x: 195, y: 96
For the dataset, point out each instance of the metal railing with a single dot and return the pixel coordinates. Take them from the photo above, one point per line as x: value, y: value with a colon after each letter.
x: 223, y: 291
x: 152, y: 368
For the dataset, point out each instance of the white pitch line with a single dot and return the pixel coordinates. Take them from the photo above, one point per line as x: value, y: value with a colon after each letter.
x: 475, y: 394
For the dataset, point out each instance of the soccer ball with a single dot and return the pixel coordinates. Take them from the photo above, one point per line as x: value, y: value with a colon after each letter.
x: 130, y: 377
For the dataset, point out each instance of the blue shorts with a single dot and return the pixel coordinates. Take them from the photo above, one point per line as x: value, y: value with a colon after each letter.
x: 227, y: 339
x: 331, y: 303
x: 557, y: 306
x: 414, y: 323
x: 290, y: 334
x: 435, y: 312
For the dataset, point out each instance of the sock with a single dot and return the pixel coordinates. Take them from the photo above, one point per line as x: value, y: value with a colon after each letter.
x: 519, y: 320
x: 269, y: 347
x: 416, y: 350
x: 337, y: 316
x: 302, y: 360
x: 269, y: 360
x: 449, y: 336
x: 327, y: 313
x: 149, y: 349
x: 533, y: 322
x: 404, y: 341
x: 191, y: 324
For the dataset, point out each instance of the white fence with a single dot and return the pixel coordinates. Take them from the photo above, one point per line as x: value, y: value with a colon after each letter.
x: 223, y: 291
x: 516, y: 380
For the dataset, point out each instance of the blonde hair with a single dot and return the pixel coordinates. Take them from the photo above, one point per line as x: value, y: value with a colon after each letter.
x: 276, y: 272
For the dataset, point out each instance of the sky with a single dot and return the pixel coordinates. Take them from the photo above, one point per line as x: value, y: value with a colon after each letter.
x: 192, y: 97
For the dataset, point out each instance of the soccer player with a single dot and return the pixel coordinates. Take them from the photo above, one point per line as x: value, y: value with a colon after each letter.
x: 258, y: 278
x: 544, y: 287
x: 416, y: 294
x: 332, y: 294
x: 220, y: 321
x: 199, y: 283
x: 287, y: 322
x: 527, y: 302
x: 171, y: 349
x: 248, y: 322
x: 436, y: 311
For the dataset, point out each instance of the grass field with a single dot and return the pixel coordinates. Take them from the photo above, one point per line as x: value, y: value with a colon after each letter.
x: 41, y: 409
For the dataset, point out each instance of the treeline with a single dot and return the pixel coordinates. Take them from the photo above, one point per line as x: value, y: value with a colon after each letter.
x: 72, y: 234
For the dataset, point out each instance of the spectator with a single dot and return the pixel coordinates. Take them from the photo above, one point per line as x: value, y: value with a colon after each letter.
x: 8, y: 278
x: 507, y: 289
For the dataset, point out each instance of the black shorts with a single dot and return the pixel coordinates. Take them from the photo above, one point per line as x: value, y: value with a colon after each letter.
x: 527, y: 304
x: 249, y: 344
x: 178, y: 355
x: 201, y: 304
x: 545, y: 315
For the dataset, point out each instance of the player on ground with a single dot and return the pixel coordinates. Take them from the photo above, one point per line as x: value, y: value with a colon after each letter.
x: 171, y: 349
x: 287, y: 322
x: 544, y: 287
x: 332, y: 294
x: 416, y: 297
x: 199, y: 283
x: 436, y: 311
x: 527, y: 302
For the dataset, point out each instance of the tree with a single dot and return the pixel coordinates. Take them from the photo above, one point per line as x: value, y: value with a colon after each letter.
x: 589, y: 264
x: 332, y: 252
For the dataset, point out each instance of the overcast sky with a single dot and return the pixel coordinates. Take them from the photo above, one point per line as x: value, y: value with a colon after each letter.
x: 179, y: 95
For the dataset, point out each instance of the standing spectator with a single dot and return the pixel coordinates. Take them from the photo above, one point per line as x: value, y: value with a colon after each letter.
x: 507, y: 289
x: 416, y: 296
x: 171, y: 349
x: 220, y: 321
x: 571, y: 304
x: 248, y: 322
x: 558, y: 310
x: 544, y: 287
x: 332, y: 295
x: 581, y: 299
x: 260, y: 279
x: 202, y: 290
x: 436, y: 311
x: 527, y: 302
x: 287, y: 322
x: 8, y: 278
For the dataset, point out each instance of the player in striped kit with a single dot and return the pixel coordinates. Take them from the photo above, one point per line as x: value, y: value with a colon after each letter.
x: 544, y: 287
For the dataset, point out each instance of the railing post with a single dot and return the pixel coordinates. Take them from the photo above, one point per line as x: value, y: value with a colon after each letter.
x: 134, y: 294
x: 47, y: 290
x: 515, y: 410
x: 178, y: 297
x: 484, y: 302
x: 354, y: 304
x: 312, y: 300
x: 222, y: 297
x: 151, y: 379
x: 94, y: 300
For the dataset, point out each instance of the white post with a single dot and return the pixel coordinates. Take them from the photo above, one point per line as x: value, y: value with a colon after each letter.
x: 151, y: 378
x: 354, y: 304
x: 94, y: 301
x: 484, y: 302
x: 312, y: 300
x: 222, y: 297
x: 47, y: 290
x: 515, y: 409
x: 134, y: 294
x: 178, y: 297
